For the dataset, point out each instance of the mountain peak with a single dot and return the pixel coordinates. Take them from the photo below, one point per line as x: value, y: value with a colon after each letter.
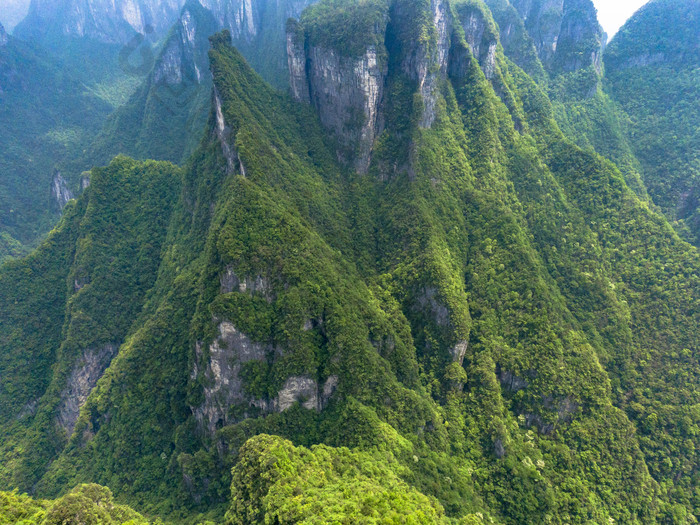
x: 102, y: 20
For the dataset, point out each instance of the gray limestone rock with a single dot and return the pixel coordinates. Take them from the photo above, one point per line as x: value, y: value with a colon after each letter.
x: 105, y: 21
x: 223, y: 385
x: 347, y: 91
x: 84, y: 376
x: 60, y: 192
x: 481, y: 41
x: 299, y: 389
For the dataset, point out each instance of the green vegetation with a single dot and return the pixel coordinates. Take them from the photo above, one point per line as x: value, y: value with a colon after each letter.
x: 490, y: 326
x: 48, y: 117
x: 84, y: 505
x: 277, y: 482
x: 654, y: 76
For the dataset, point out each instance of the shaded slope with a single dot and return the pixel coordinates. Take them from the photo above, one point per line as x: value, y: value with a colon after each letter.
x: 653, y: 71
x: 48, y: 115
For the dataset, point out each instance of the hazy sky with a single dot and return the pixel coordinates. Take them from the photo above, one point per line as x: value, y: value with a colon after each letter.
x: 614, y: 13
x: 12, y: 12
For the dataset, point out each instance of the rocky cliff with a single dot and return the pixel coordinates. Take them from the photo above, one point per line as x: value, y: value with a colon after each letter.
x: 103, y: 21
x: 3, y: 36
x: 346, y: 90
x: 566, y: 34
x: 346, y: 84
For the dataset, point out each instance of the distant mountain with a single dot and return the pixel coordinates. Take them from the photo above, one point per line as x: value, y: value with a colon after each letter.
x: 165, y: 118
x: 653, y: 71
x: 48, y: 116
x: 13, y: 11
x: 104, y: 21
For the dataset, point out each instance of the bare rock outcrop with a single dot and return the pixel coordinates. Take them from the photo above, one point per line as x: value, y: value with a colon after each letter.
x: 85, y: 374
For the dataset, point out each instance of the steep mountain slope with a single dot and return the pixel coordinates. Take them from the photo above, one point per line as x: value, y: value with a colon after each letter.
x: 561, y: 44
x: 411, y: 259
x: 653, y: 71
x: 47, y: 116
x: 165, y: 118
x: 69, y: 67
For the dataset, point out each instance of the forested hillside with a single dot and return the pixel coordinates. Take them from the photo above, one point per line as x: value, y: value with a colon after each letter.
x: 426, y: 285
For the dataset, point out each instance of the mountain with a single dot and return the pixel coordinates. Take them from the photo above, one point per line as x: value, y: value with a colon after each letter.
x: 103, y: 21
x: 407, y: 257
x: 421, y: 287
x: 62, y: 74
x: 652, y: 69
x: 155, y: 93
x: 13, y: 12
x: 164, y: 119
x: 48, y: 116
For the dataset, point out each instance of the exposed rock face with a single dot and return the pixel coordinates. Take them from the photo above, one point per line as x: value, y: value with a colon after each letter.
x: 426, y: 62
x: 581, y: 39
x: 329, y: 388
x: 481, y: 40
x: 543, y: 21
x: 83, y: 378
x: 105, y: 21
x: 511, y: 381
x: 3, y: 36
x: 347, y: 91
x: 432, y: 66
x: 60, y: 192
x: 240, y: 17
x: 223, y: 134
x: 223, y: 384
x: 566, y: 33
x: 179, y: 58
x: 246, y: 19
x: 296, y: 58
x: 297, y: 389
x: 259, y: 285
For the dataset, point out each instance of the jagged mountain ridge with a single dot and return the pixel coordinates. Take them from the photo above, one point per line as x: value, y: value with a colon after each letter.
x: 488, y: 303
x: 165, y: 117
x: 103, y: 21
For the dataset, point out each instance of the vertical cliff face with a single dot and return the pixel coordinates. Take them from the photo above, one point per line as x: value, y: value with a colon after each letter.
x: 347, y: 83
x: 240, y: 17
x: 566, y: 33
x: 60, y: 192
x: 347, y: 92
x: 184, y: 51
x: 581, y: 40
x: 481, y: 37
x: 83, y: 377
x: 543, y: 21
x: 296, y: 59
x: 345, y: 87
x: 102, y: 20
